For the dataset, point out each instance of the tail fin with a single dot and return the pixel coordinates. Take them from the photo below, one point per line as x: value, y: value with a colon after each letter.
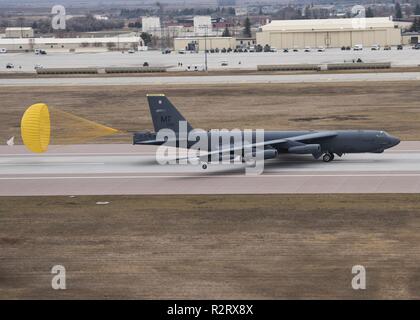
x: 164, y: 114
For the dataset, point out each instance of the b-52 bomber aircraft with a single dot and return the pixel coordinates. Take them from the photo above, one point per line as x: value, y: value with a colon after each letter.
x: 325, y: 144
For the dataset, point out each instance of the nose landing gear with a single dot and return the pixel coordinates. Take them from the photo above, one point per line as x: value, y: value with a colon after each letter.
x: 328, y: 157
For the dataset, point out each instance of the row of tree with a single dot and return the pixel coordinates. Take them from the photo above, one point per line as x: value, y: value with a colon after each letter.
x: 246, y: 30
x: 79, y: 24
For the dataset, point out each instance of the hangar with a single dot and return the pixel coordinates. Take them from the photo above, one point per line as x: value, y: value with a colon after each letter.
x: 72, y: 44
x: 329, y: 32
x: 199, y: 43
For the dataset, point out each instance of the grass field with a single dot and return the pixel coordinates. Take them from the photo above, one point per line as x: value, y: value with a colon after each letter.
x: 250, y: 246
x: 376, y: 105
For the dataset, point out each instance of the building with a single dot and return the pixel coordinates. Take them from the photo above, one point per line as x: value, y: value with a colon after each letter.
x: 410, y: 37
x: 329, y: 33
x: 151, y: 25
x: 24, y: 32
x: 73, y: 44
x: 241, y: 11
x: 202, y: 25
x: 245, y: 42
x: 200, y: 43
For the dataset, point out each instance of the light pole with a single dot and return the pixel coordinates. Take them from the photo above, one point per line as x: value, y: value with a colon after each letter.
x: 206, y: 28
x: 205, y: 48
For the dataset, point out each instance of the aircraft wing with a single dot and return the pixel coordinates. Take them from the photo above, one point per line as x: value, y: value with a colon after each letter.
x: 272, y: 143
x: 313, y: 136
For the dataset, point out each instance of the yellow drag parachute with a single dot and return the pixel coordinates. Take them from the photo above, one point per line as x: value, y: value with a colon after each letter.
x: 36, y: 128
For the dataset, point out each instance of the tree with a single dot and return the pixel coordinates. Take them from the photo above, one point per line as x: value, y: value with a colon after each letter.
x: 247, y: 28
x: 147, y: 38
x: 226, y: 32
x: 398, y: 12
x: 369, y: 12
x: 415, y: 27
x: 417, y: 10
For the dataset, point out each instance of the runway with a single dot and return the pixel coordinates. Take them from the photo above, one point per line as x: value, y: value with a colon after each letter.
x: 209, y: 80
x: 126, y: 169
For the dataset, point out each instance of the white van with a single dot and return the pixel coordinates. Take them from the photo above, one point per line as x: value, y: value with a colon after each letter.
x: 358, y: 47
x: 3, y: 50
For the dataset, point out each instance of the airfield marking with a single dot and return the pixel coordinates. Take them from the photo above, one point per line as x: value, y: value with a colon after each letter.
x: 215, y: 176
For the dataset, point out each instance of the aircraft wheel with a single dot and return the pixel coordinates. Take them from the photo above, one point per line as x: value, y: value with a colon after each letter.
x: 204, y: 165
x: 328, y: 157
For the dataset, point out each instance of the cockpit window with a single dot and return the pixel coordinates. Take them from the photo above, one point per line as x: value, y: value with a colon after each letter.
x: 381, y: 134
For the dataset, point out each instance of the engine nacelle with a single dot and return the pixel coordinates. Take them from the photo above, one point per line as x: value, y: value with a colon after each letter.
x: 263, y: 154
x: 306, y: 149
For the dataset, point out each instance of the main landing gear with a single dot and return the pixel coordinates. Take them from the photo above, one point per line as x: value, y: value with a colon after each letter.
x: 328, y: 157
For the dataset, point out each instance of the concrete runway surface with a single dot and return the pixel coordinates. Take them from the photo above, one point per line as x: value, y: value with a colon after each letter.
x: 208, y: 80
x: 125, y: 169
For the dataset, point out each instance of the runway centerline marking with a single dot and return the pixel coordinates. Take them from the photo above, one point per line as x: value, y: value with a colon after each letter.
x: 52, y: 164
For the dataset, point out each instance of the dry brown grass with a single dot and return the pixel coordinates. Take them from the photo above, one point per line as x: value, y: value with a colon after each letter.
x: 392, y: 106
x: 244, y: 246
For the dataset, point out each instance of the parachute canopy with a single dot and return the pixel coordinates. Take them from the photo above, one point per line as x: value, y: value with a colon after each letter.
x: 36, y: 128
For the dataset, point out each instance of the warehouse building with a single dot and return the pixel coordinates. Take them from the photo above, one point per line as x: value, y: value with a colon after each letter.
x: 73, y: 44
x: 329, y: 33
x: 24, y: 32
x: 200, y: 43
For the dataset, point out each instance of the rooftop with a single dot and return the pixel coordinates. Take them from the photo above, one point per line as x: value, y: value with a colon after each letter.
x: 328, y: 24
x: 18, y: 28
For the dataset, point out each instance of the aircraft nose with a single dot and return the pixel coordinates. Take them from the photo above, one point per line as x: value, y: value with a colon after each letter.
x: 394, y: 141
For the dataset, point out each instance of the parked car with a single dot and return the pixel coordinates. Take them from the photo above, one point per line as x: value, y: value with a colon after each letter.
x: 224, y: 64
x: 387, y: 48
x: 285, y: 50
x: 131, y: 51
x: 307, y: 49
x: 38, y: 66
x: 375, y: 47
x: 10, y: 66
x: 195, y: 67
x: 273, y: 49
x: 145, y: 64
x: 348, y: 48
x: 166, y: 51
x: 295, y: 49
x: 40, y: 51
x: 416, y: 46
x: 321, y: 49
x: 3, y: 50
x: 399, y: 47
x: 358, y: 47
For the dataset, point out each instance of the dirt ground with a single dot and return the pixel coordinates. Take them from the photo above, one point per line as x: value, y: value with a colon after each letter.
x: 217, y: 247
x: 391, y: 106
